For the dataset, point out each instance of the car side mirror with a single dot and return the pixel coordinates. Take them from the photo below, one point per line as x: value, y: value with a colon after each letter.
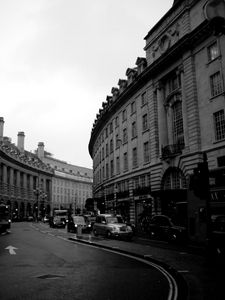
x: 103, y: 222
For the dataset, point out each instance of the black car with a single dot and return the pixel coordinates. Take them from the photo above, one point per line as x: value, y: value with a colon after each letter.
x: 217, y: 240
x: 76, y: 223
x: 89, y: 220
x: 162, y: 227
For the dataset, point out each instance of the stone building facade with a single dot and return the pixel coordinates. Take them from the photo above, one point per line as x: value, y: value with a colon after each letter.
x: 152, y: 131
x: 71, y: 185
x: 25, y: 181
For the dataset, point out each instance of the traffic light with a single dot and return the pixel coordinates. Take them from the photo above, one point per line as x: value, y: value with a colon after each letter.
x: 199, y: 181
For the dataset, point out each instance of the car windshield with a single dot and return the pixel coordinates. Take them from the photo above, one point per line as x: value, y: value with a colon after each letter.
x: 78, y: 220
x: 112, y: 220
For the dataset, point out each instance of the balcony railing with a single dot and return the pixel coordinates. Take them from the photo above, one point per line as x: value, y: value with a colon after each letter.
x: 142, y: 190
x: 170, y: 151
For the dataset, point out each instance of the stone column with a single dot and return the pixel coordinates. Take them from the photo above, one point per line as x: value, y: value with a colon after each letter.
x: 4, y: 174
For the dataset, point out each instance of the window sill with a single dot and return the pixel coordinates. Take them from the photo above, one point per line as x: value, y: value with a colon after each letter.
x: 211, y: 61
x: 145, y: 130
x: 219, y: 141
x: 213, y: 97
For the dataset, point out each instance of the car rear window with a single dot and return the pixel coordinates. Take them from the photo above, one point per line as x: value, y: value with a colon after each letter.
x: 78, y: 220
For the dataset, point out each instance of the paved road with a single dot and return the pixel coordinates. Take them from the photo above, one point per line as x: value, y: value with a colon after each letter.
x: 44, y: 264
x: 205, y: 280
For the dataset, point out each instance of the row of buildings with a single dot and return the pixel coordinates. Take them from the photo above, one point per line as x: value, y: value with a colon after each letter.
x: 154, y: 128
x: 34, y: 184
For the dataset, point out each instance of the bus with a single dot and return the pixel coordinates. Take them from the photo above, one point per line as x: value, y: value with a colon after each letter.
x: 5, y: 220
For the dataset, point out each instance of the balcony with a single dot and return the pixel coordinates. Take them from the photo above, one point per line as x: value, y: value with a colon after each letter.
x: 170, y: 151
x: 145, y: 190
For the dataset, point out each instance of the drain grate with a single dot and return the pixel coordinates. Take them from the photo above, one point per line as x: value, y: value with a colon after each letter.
x: 50, y: 276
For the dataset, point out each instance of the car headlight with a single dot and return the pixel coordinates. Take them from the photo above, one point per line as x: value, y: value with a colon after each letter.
x: 75, y: 225
x: 115, y: 228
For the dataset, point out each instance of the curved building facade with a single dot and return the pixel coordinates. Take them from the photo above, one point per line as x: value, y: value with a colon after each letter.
x: 25, y: 181
x: 152, y: 130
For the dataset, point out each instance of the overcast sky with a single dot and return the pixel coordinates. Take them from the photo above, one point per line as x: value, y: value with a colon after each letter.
x: 59, y: 60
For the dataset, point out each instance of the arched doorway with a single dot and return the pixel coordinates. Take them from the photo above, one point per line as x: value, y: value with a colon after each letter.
x: 174, y: 195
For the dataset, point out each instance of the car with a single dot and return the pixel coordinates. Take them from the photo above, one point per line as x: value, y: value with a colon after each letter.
x: 57, y: 221
x: 162, y: 227
x: 217, y: 240
x: 90, y: 220
x: 109, y: 225
x: 75, y: 223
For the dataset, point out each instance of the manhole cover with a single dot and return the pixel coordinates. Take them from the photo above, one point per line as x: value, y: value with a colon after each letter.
x: 50, y: 276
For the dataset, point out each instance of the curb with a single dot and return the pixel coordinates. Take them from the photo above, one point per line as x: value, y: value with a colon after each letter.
x: 181, y: 283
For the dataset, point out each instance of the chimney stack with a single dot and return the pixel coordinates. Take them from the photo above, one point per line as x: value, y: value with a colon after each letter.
x: 41, y: 151
x: 1, y: 128
x: 20, y: 140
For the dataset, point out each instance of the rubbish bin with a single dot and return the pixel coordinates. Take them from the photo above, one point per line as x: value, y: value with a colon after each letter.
x: 79, y: 230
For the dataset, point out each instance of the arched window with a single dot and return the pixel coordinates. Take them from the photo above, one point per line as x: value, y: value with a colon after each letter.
x: 174, y: 179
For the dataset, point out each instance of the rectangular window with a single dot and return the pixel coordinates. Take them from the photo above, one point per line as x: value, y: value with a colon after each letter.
x: 134, y: 130
x: 136, y: 182
x: 146, y: 152
x: 106, y: 132
x: 112, y: 167
x: 117, y: 165
x: 118, y: 141
x: 178, y: 130
x: 145, y: 122
x: 106, y: 150
x: 216, y: 84
x: 124, y: 115
x: 111, y: 127
x: 134, y: 154
x: 125, y: 161
x: 116, y: 121
x: 111, y: 145
x: 107, y: 171
x: 133, y: 107
x: 125, y: 135
x: 219, y: 122
x: 213, y: 51
x: 143, y: 98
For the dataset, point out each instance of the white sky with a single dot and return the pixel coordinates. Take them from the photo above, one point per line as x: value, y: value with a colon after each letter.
x: 59, y: 60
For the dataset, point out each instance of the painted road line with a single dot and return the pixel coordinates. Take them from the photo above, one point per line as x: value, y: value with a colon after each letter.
x: 183, y: 271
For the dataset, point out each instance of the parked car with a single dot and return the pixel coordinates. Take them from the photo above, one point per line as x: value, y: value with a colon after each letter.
x: 162, y: 227
x: 217, y: 241
x: 110, y: 226
x: 76, y: 221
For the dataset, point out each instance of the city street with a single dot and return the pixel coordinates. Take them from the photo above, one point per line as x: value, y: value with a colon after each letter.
x: 42, y: 263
